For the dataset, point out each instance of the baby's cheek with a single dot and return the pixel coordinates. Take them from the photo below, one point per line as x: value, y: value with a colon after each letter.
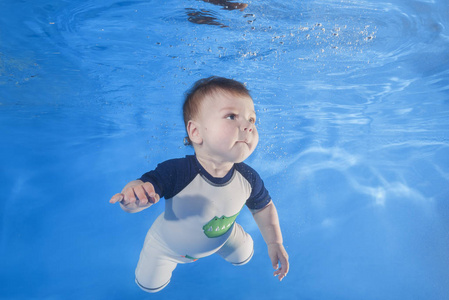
x: 256, y: 137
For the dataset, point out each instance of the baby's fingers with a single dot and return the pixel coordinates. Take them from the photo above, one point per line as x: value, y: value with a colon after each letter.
x: 141, y: 195
x: 279, y: 257
x: 284, y: 262
x: 129, y: 196
x: 149, y: 190
x: 116, y: 198
x: 282, y: 271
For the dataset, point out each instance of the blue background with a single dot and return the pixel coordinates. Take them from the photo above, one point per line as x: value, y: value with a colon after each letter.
x: 353, y: 108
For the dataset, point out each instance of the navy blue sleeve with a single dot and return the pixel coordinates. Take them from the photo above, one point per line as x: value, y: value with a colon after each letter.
x: 259, y: 197
x: 170, y: 176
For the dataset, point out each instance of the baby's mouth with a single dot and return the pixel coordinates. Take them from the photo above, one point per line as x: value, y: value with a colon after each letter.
x: 244, y: 139
x: 243, y: 142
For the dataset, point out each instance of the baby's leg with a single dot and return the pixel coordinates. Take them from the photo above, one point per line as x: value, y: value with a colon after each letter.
x: 155, y: 266
x: 239, y: 248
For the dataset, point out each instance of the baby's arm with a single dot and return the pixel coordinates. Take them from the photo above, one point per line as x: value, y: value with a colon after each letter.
x: 136, y: 196
x: 268, y: 222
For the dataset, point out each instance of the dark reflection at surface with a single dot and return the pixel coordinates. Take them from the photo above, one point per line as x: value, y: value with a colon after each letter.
x: 203, y: 17
x: 207, y: 17
x: 228, y: 5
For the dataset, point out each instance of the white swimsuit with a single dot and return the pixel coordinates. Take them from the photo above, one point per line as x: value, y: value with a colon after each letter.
x: 199, y: 218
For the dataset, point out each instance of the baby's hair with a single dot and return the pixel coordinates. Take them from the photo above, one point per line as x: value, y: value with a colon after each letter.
x: 207, y: 87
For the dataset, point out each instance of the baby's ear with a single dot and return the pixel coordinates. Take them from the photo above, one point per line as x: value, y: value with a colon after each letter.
x: 194, y: 133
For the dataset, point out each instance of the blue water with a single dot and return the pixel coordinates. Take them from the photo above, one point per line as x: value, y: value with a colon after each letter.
x: 353, y: 106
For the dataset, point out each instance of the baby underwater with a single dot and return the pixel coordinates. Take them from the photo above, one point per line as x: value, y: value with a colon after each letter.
x: 205, y: 192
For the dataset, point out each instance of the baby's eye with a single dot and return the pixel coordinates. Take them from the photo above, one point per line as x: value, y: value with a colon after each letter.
x: 231, y: 117
x: 252, y: 120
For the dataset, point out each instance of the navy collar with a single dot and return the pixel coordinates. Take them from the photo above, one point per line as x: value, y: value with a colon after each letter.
x: 219, y: 181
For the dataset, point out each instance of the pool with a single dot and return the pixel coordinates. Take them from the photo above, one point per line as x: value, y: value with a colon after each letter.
x: 353, y: 106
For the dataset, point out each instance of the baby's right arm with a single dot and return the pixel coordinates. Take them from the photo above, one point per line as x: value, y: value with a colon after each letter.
x: 136, y: 196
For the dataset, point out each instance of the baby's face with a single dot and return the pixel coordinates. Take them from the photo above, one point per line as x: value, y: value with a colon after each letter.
x: 227, y: 127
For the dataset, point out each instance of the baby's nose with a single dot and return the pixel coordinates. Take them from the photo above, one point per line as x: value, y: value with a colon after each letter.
x: 248, y: 126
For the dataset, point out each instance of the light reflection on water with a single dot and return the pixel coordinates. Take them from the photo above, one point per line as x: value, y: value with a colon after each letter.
x: 352, y: 102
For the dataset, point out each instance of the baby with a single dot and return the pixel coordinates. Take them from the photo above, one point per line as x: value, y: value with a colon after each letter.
x: 205, y: 192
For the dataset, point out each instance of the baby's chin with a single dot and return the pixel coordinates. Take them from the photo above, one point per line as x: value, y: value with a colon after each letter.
x: 245, y: 154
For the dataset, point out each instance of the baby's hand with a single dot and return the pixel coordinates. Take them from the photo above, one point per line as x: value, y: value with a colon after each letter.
x: 278, y: 254
x: 136, y: 196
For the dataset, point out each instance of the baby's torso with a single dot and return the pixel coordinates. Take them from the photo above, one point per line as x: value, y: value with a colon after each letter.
x: 200, y: 210
x: 199, y: 219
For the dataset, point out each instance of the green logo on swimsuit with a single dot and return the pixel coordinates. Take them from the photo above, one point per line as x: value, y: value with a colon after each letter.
x: 219, y: 226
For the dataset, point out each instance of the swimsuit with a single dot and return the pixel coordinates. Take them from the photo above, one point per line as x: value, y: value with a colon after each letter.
x: 199, y: 218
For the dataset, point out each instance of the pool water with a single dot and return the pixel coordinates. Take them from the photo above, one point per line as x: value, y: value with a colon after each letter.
x: 352, y: 100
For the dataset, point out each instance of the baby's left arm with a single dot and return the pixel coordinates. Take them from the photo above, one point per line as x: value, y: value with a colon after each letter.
x: 268, y: 222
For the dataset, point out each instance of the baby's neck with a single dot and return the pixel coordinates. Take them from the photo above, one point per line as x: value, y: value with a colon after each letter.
x: 215, y: 168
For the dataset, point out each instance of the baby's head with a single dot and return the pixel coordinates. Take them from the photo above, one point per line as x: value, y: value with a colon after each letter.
x: 206, y: 88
